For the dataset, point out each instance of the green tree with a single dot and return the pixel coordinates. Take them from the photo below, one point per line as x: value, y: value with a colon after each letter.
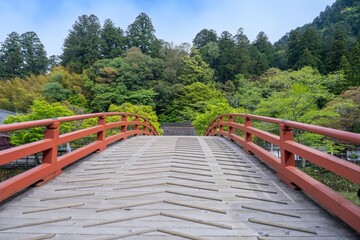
x: 172, y: 57
x: 113, y: 40
x: 243, y: 58
x: 294, y: 49
x: 227, y: 58
x: 298, y: 95
x: 263, y: 44
x: 249, y: 93
x: 82, y: 46
x: 18, y: 94
x: 55, y: 92
x: 337, y: 50
x: 307, y: 59
x: 309, y: 49
x: 105, y: 95
x: 212, y: 110
x: 35, y: 60
x: 140, y: 70
x: 346, y: 109
x: 210, y: 53
x: 143, y: 110
x: 353, y: 74
x: 141, y: 34
x: 194, y: 69
x: 204, y: 37
x: 11, y: 57
x: 40, y: 109
x: 191, y: 100
x: 260, y: 63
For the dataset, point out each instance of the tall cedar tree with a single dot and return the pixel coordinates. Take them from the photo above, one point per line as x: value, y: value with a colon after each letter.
x: 264, y: 46
x: 337, y: 50
x: 203, y: 37
x: 309, y: 49
x: 353, y: 75
x: 242, y: 52
x: 141, y: 34
x: 113, y: 40
x: 227, y: 57
x: 11, y: 57
x: 35, y: 60
x: 82, y: 46
x: 294, y: 49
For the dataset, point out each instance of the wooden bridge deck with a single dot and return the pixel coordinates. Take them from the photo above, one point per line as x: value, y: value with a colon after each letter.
x: 167, y: 188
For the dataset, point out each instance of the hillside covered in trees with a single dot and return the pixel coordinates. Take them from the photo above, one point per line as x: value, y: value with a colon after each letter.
x: 311, y: 75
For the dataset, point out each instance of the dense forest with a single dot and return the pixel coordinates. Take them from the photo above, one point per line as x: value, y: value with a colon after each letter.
x: 311, y: 75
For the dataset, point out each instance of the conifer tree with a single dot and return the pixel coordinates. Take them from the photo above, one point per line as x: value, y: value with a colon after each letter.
x: 82, y: 46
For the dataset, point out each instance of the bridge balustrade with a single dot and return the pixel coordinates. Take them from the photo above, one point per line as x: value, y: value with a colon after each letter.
x: 243, y: 133
x: 129, y: 125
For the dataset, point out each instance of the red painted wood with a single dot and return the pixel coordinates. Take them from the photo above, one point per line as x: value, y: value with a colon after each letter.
x: 285, y: 166
x: 52, y: 164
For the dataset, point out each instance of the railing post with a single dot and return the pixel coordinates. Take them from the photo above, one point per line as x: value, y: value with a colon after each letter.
x: 137, y: 125
x: 286, y: 133
x: 124, y: 128
x: 102, y: 134
x: 231, y: 129
x: 49, y: 156
x: 247, y: 136
x: 287, y: 158
x: 145, y: 130
x: 221, y: 122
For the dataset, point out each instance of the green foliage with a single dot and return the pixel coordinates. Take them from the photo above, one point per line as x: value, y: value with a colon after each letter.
x: 330, y: 179
x: 141, y: 69
x: 141, y: 34
x: 81, y: 47
x: 212, y: 110
x: 40, y: 109
x: 22, y: 55
x: 194, y: 69
x: 189, y: 101
x: 113, y: 40
x: 18, y: 94
x: 346, y: 107
x: 353, y: 73
x: 172, y: 57
x: 145, y: 111
x: 55, y: 92
x: 295, y: 94
x: 34, y: 55
x: 204, y: 37
x: 11, y: 59
x: 227, y: 59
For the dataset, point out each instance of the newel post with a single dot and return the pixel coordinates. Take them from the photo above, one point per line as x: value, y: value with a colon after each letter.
x: 247, y: 136
x: 231, y: 128
x: 102, y: 134
x: 137, y: 125
x: 52, y: 132
x: 124, y: 127
x: 49, y: 156
x: 286, y: 133
x: 221, y: 123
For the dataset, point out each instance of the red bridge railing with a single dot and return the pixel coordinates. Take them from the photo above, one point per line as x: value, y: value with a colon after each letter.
x: 225, y: 125
x: 130, y: 125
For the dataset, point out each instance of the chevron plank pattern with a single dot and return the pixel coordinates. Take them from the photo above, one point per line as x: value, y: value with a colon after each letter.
x: 167, y: 188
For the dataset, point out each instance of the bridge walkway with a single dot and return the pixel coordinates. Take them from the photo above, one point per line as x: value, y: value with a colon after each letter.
x: 168, y: 188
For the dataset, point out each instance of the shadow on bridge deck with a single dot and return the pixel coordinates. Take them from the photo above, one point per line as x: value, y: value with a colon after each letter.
x: 168, y: 188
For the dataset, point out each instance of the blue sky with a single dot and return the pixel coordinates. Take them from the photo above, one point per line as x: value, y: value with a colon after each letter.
x: 175, y: 21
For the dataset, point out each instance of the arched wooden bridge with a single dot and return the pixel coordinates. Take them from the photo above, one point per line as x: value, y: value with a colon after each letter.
x: 174, y: 187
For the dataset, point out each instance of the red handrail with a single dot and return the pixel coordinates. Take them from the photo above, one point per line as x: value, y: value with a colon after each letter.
x: 285, y: 166
x: 52, y: 164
